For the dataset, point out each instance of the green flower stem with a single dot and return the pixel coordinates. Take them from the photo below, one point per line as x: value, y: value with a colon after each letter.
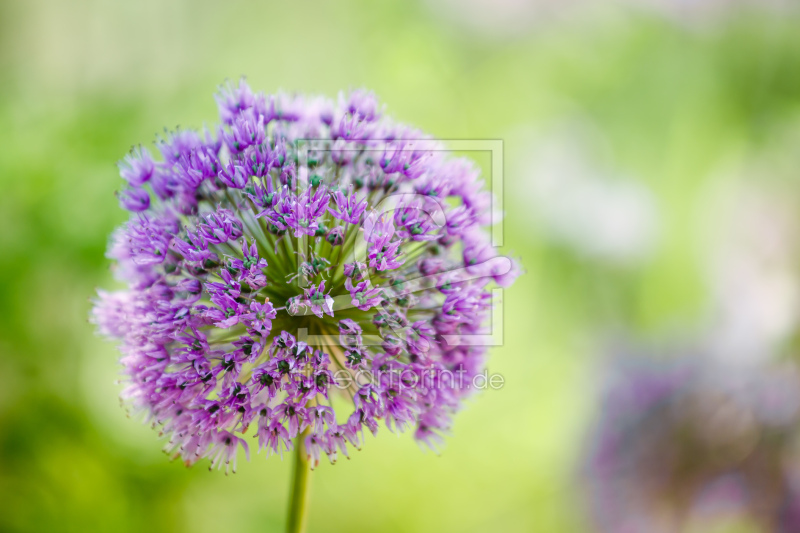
x: 301, y: 489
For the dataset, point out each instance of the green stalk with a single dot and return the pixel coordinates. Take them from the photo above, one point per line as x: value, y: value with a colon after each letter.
x: 301, y: 489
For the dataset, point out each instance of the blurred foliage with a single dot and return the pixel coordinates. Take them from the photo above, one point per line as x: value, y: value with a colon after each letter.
x: 679, y: 106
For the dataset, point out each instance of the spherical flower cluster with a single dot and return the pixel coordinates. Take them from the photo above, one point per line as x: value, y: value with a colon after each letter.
x: 306, y: 270
x: 687, y: 446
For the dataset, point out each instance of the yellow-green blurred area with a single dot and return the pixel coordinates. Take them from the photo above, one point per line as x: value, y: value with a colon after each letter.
x: 636, y: 137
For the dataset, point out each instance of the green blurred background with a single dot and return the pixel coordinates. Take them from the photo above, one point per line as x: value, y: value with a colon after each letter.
x: 667, y: 112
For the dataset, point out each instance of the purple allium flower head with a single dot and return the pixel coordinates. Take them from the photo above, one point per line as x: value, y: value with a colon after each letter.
x: 267, y: 274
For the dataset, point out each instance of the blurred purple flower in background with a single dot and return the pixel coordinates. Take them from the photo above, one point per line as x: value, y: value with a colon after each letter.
x: 243, y: 239
x: 691, y: 446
